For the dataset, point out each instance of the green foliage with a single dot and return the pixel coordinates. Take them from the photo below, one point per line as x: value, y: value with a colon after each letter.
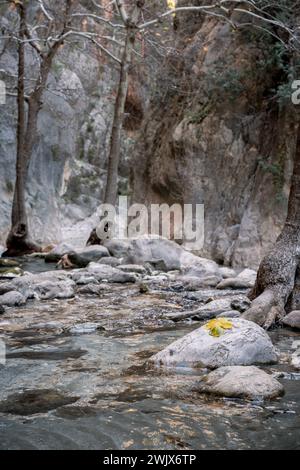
x: 277, y: 172
x: 55, y: 152
x: 9, y: 186
x: 57, y: 68
x: 196, y: 117
x: 225, y: 83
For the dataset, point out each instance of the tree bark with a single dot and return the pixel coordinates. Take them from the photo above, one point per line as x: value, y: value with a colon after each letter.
x: 19, y: 242
x: 111, y: 190
x: 277, y: 284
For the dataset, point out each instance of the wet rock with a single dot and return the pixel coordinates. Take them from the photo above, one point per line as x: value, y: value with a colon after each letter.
x: 245, y: 280
x: 208, y: 295
x: 29, y: 280
x: 249, y: 275
x: 8, y: 263
x: 11, y: 273
x: 111, y: 261
x: 295, y: 360
x: 157, y: 265
x: 85, y: 328
x: 2, y: 309
x: 48, y: 285
x: 48, y: 355
x: 212, y: 309
x: 12, y: 299
x: 241, y: 382
x: 157, y: 278
x: 227, y: 272
x: 230, y: 314
x: 87, y: 255
x: 117, y: 248
x: 241, y: 304
x: 292, y: 319
x: 58, y: 252
x: 84, y: 278
x: 245, y: 344
x: 48, y: 290
x: 30, y: 402
x: 133, y: 268
x: 153, y: 250
x: 215, y: 307
x: 235, y: 283
x: 102, y: 272
x: 194, y: 283
x: 92, y: 289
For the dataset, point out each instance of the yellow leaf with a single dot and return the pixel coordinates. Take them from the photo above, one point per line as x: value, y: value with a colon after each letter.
x: 172, y: 5
x: 217, y: 326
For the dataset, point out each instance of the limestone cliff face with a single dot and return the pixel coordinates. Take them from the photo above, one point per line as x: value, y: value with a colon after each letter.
x: 67, y: 170
x: 216, y: 136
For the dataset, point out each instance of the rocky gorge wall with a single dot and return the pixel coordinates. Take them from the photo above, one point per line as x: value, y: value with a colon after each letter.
x: 67, y: 170
x: 218, y: 135
x: 213, y: 133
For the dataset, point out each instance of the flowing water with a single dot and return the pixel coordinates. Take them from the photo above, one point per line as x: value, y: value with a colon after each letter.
x: 75, y: 378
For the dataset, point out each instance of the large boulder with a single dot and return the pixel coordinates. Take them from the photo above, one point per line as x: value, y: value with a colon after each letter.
x: 81, y: 258
x: 241, y: 382
x: 158, y: 249
x: 245, y: 343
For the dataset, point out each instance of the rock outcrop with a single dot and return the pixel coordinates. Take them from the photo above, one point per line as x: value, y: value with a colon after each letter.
x: 245, y: 344
x: 215, y: 136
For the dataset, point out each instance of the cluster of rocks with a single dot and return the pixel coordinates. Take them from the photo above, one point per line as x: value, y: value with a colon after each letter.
x: 121, y: 261
x: 89, y: 271
x: 234, y: 354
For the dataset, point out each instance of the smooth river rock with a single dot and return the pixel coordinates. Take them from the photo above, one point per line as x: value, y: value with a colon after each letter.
x: 292, y: 319
x: 167, y: 253
x: 245, y: 344
x: 12, y: 299
x: 241, y: 382
x: 81, y: 258
x: 96, y: 272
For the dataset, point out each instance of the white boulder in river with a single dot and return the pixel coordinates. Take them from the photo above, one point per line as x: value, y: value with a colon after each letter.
x: 245, y: 343
x: 241, y: 382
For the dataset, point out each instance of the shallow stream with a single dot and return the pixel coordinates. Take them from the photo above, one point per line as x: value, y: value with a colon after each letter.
x: 68, y: 385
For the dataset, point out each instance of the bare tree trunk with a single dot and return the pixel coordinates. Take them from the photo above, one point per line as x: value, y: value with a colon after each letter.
x: 111, y: 190
x: 18, y: 240
x: 277, y: 280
